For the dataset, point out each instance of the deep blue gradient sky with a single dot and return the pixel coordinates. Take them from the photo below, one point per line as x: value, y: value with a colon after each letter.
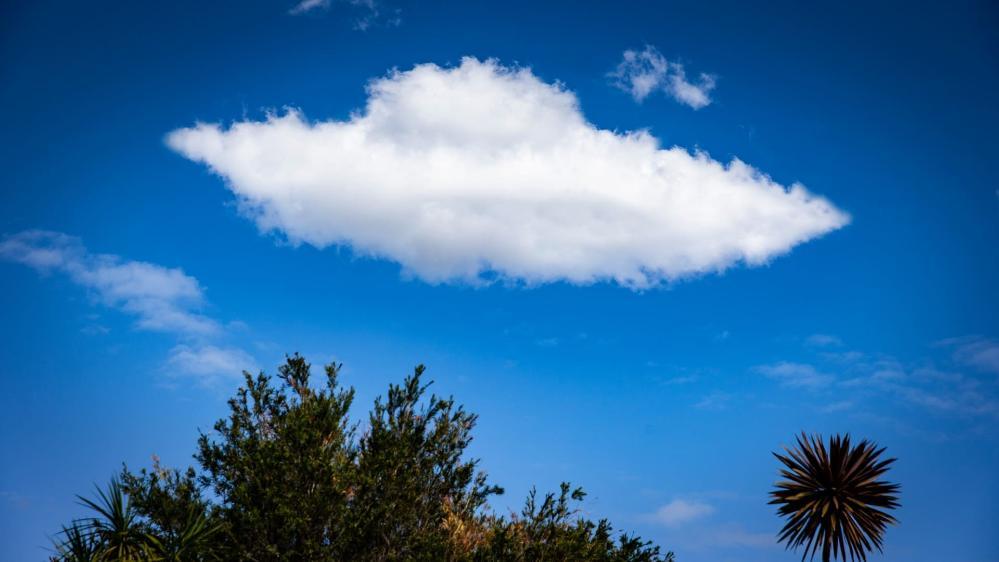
x: 886, y: 328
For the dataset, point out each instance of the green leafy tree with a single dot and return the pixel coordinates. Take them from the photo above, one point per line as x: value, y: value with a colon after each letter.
x: 180, y: 521
x: 283, y: 466
x: 287, y: 477
x: 551, y: 530
x: 411, y: 476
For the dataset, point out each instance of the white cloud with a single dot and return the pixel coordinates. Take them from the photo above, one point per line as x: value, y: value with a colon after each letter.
x: 835, y: 407
x: 960, y: 387
x: 714, y: 401
x: 678, y: 512
x: 309, y: 5
x: 482, y: 171
x: 943, y: 392
x: 795, y: 375
x: 975, y: 351
x: 209, y: 362
x: 642, y: 73
x: 367, y: 13
x: 823, y: 340
x: 162, y: 299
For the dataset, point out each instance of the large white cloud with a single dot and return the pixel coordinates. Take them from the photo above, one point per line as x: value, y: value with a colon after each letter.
x: 484, y: 171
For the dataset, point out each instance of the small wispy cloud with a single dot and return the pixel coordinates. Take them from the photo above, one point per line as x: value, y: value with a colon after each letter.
x: 713, y: 401
x: 642, y: 73
x: 799, y: 375
x: 209, y: 362
x: 835, y: 407
x: 958, y: 386
x: 946, y: 393
x: 367, y: 13
x: 936, y: 390
x: 976, y: 352
x: 94, y: 330
x: 673, y: 375
x: 161, y: 299
x: 679, y: 512
x: 823, y: 340
x: 309, y: 5
x: 20, y: 501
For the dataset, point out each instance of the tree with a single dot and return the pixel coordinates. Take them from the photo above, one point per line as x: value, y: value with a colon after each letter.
x: 283, y: 466
x: 179, y: 521
x: 551, y: 530
x: 411, y: 476
x: 287, y: 477
x: 833, y: 498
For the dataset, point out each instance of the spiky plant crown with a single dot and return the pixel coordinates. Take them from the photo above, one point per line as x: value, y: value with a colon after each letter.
x: 833, y: 499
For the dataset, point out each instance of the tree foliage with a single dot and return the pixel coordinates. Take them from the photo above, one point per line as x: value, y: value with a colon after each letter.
x: 287, y: 477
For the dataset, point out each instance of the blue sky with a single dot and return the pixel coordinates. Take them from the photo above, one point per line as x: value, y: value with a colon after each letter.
x: 652, y: 349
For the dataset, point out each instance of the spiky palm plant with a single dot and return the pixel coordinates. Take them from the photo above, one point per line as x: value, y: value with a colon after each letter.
x: 116, y: 528
x: 833, y: 499
x: 77, y: 544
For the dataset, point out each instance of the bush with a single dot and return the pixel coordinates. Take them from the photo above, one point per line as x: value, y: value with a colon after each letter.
x: 287, y: 477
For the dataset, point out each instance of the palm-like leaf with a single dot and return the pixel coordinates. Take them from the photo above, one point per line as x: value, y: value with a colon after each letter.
x: 78, y: 544
x: 833, y: 498
x: 117, y: 527
x: 190, y: 543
